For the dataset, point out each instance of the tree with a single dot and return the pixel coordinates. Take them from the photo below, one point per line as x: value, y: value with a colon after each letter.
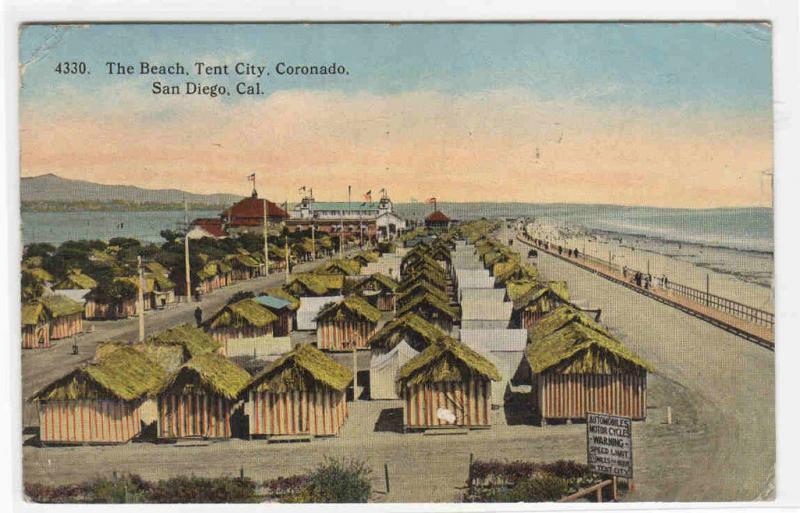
x: 40, y: 249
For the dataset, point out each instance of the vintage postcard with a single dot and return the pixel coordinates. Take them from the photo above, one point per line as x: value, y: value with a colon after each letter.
x: 397, y: 262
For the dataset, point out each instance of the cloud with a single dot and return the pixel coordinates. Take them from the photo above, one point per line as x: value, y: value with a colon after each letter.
x: 506, y: 145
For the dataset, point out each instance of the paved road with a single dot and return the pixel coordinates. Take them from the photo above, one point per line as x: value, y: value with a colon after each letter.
x: 734, y: 380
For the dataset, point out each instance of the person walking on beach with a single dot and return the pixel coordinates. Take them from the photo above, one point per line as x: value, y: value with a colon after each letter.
x: 638, y: 279
x: 625, y: 271
x: 665, y: 281
x: 575, y: 252
x: 198, y: 316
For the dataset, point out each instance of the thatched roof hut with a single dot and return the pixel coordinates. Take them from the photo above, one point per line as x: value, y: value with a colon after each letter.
x: 346, y: 324
x: 303, y: 392
x: 122, y: 373
x: 210, y: 372
x: 241, y: 314
x: 445, y: 370
x: 315, y: 285
x: 411, y: 328
x: 432, y: 309
x: 192, y: 341
x: 336, y: 266
x: 573, y: 357
x: 198, y: 398
x: 410, y: 289
x: 76, y: 280
x: 533, y: 299
x: 446, y: 360
x: 99, y: 402
x: 304, y: 368
x: 60, y: 306
x: 377, y: 282
x: 513, y: 270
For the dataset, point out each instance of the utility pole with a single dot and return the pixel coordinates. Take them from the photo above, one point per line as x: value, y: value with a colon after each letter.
x: 186, y: 252
x: 313, y: 242
x: 355, y: 370
x: 141, y: 298
x: 266, y: 240
x: 341, y: 232
x: 286, y: 244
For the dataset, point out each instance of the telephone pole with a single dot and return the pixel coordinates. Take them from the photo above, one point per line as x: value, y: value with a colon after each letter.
x: 186, y: 251
x: 266, y: 241
x: 141, y: 299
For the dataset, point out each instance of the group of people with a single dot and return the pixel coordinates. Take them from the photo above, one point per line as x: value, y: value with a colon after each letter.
x: 644, y: 280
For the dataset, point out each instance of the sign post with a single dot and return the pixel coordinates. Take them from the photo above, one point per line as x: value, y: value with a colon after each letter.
x: 609, y: 446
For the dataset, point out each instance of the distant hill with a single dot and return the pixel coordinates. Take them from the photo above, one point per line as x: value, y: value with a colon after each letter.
x: 53, y: 188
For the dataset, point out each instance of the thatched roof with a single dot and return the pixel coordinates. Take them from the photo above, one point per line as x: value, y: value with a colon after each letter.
x: 414, y: 287
x: 525, y: 293
x: 316, y: 284
x: 167, y: 357
x: 40, y: 274
x: 301, y: 369
x: 569, y: 342
x: 383, y: 282
x: 60, y: 306
x: 122, y: 373
x: 513, y: 269
x: 446, y: 360
x: 76, y: 280
x: 157, y: 268
x: 422, y: 288
x: 242, y: 313
x: 149, y: 282
x: 346, y: 267
x: 366, y: 257
x: 428, y: 301
x: 294, y: 302
x: 351, y: 306
x: 162, y: 281
x: 244, y: 260
x: 33, y: 314
x: 211, y: 372
x: 194, y: 341
x: 418, y: 332
x: 425, y: 273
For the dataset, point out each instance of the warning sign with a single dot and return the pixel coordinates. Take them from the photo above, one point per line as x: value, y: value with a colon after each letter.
x: 608, y: 444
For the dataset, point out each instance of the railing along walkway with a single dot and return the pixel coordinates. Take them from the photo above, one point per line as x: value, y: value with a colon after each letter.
x: 760, y: 332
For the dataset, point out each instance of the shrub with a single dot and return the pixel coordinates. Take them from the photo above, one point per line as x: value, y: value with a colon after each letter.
x: 285, y: 485
x: 542, y: 487
x: 37, y: 492
x: 199, y: 489
x: 128, y: 489
x: 338, y: 481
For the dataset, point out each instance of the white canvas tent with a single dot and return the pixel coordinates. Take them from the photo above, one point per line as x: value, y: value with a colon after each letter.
x: 309, y: 308
x: 485, y: 314
x: 258, y: 347
x: 384, y: 368
x: 468, y: 294
x: 474, y: 279
x: 504, y: 348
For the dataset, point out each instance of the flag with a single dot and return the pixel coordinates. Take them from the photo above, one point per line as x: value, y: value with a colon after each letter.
x: 251, y: 178
x: 368, y: 195
x: 430, y: 200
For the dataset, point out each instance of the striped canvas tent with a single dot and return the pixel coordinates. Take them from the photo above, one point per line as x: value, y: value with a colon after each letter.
x: 98, y: 403
x: 302, y: 393
x: 347, y: 323
x: 447, y: 385
x: 197, y: 399
x: 242, y: 319
x: 577, y: 366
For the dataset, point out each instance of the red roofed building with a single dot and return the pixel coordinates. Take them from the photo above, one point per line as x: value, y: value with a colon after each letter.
x: 437, y: 220
x: 248, y: 215
x: 207, y: 227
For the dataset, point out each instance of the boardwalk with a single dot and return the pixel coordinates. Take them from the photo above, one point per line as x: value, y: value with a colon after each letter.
x: 758, y: 333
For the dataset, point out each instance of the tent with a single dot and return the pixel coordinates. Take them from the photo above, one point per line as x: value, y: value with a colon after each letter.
x: 505, y: 348
x: 309, y: 309
x: 485, y: 314
x: 470, y: 294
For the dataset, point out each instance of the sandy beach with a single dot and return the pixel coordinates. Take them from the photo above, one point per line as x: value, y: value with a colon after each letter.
x: 744, y: 276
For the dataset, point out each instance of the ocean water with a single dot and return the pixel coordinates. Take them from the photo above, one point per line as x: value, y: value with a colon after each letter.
x: 57, y: 227
x: 749, y: 229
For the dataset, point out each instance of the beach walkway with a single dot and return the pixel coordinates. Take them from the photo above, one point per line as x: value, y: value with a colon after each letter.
x: 761, y: 333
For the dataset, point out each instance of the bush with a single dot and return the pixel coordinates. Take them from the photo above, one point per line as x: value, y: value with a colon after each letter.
x: 336, y: 481
x: 128, y: 489
x: 283, y: 486
x: 200, y: 489
x: 542, y: 487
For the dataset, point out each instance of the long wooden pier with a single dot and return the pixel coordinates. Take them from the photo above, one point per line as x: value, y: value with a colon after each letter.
x: 761, y: 334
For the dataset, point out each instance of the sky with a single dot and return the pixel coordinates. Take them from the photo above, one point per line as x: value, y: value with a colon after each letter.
x: 659, y: 114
